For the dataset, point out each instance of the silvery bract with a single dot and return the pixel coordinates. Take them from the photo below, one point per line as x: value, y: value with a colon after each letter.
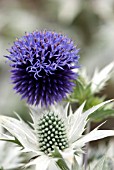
x: 54, y: 134
x: 104, y: 151
x: 99, y: 79
x: 10, y: 155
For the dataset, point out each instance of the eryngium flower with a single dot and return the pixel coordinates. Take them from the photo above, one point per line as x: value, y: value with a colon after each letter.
x: 54, y: 136
x: 42, y: 66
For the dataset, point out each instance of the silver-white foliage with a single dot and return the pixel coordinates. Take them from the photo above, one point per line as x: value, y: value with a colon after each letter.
x: 75, y: 125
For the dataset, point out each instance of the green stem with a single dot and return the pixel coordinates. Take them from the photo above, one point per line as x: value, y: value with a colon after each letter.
x: 62, y: 165
x: 60, y: 161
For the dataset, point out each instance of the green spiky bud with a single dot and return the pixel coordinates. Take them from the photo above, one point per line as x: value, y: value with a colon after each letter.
x: 51, y: 133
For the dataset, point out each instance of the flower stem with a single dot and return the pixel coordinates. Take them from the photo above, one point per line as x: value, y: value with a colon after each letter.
x: 60, y: 161
x: 62, y: 165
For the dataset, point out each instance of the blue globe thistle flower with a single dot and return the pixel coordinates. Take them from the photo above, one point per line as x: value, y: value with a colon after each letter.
x: 42, y: 66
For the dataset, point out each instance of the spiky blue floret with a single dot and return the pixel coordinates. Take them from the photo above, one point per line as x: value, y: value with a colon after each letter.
x: 42, y: 66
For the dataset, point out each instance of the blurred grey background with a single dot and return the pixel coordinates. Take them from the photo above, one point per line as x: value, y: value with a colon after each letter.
x: 90, y: 23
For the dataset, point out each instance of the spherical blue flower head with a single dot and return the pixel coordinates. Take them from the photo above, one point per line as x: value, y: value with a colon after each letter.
x: 42, y: 66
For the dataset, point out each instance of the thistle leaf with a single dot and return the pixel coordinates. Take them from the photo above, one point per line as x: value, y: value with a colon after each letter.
x: 75, y: 165
x: 101, y: 114
x: 100, y: 79
x: 105, y: 163
x: 25, y: 137
x: 99, y: 165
